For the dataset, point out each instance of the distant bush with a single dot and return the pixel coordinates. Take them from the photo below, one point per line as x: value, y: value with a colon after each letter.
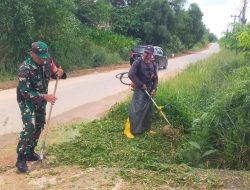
x: 111, y: 41
x: 101, y: 57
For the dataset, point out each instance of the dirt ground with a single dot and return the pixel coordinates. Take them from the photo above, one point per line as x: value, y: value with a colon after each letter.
x: 44, y: 176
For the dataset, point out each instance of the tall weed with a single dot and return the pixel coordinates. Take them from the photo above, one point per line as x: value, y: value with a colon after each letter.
x: 215, y: 95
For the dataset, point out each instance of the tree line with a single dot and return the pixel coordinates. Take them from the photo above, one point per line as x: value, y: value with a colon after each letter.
x: 90, y: 33
x: 237, y: 38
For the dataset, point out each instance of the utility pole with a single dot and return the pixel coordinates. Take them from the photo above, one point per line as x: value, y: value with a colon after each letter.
x: 234, y: 16
x: 243, y: 11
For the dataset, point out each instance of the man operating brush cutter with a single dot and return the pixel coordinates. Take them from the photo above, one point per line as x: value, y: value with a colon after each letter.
x: 32, y: 96
x: 143, y: 74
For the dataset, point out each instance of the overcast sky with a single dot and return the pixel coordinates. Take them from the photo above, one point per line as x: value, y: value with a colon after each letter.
x: 217, y: 13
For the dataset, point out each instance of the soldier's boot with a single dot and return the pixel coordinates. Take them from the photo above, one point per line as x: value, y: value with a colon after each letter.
x: 21, y: 164
x: 32, y: 156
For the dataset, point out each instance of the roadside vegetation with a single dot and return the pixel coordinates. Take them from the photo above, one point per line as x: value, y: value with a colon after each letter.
x: 209, y: 102
x: 88, y: 33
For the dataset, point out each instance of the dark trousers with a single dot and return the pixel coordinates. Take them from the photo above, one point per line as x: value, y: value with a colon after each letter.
x: 140, y: 112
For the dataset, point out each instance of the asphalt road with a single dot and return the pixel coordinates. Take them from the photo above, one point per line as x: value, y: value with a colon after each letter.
x: 79, y: 91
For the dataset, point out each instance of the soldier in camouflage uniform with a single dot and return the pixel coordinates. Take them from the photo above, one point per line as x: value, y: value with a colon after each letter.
x: 32, y: 96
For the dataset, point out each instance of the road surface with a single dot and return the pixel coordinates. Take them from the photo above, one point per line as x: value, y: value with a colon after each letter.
x: 87, y: 91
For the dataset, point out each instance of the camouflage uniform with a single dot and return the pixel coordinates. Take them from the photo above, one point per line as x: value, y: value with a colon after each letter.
x: 33, y: 84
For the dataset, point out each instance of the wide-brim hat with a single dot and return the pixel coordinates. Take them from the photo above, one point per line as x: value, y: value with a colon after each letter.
x: 41, y: 49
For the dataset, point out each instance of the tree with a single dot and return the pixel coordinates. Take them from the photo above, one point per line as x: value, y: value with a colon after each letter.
x: 177, y: 5
x: 212, y: 37
x: 126, y: 21
x: 16, y: 27
x: 158, y: 19
x: 193, y: 29
x: 125, y: 3
x: 243, y: 38
x: 93, y: 13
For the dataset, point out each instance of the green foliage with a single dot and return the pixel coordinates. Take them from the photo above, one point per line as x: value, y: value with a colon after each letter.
x: 193, y: 153
x: 126, y: 21
x: 238, y: 38
x: 63, y: 25
x: 228, y: 120
x: 209, y: 102
x: 52, y: 22
x: 174, y: 45
x: 101, y: 57
x: 162, y: 23
x: 16, y: 23
x: 111, y: 41
x: 244, y: 40
x: 212, y: 37
x: 216, y: 94
x: 176, y: 110
x: 93, y: 13
x: 157, y: 18
x: 194, y: 28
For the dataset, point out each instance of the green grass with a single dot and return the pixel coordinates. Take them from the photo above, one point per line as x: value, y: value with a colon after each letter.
x: 209, y: 101
x: 146, y: 160
x: 213, y: 98
x: 4, y: 76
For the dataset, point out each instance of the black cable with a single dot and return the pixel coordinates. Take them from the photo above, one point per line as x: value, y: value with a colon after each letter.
x: 122, y: 76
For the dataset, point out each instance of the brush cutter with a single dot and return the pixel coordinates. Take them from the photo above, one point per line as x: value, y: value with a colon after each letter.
x: 159, y: 109
x: 168, y: 129
x: 47, y: 124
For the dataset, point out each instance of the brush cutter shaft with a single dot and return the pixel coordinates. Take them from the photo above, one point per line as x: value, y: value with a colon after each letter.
x: 163, y: 115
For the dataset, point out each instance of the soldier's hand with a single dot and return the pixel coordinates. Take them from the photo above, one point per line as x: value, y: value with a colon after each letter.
x: 59, y: 72
x: 50, y: 98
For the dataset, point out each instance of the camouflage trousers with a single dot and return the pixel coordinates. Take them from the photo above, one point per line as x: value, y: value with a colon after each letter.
x: 33, y: 119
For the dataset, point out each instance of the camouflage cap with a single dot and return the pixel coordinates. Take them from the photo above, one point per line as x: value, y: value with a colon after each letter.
x: 149, y: 49
x: 41, y: 49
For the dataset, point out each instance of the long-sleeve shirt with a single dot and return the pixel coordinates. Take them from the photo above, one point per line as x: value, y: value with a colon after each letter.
x: 144, y: 73
x: 33, y: 81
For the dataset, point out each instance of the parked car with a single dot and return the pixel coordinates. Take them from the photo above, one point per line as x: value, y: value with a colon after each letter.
x: 159, y: 55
